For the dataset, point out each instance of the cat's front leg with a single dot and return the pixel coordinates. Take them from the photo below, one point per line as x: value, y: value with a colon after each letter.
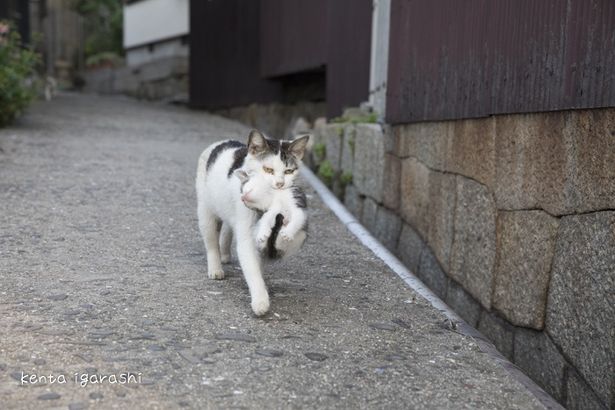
x: 226, y: 237
x: 250, y: 262
x: 208, y: 224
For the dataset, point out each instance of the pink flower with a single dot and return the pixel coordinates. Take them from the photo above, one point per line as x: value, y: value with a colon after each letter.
x: 4, y: 28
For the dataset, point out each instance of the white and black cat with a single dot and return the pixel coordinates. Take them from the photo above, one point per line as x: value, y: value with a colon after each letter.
x: 220, y: 208
x: 281, y: 230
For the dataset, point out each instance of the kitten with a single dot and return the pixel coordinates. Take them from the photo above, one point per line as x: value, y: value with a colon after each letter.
x: 277, y: 237
x: 220, y: 209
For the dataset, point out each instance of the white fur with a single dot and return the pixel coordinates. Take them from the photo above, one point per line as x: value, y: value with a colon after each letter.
x: 257, y: 193
x: 219, y: 200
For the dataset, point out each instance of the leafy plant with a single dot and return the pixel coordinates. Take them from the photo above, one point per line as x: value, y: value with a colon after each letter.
x: 356, y: 119
x: 351, y: 140
x: 103, y: 23
x: 320, y: 151
x: 17, y: 74
x: 346, y: 178
x: 326, y: 173
x: 104, y: 59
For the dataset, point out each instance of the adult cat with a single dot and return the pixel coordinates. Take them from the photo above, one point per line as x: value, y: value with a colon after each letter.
x: 221, y: 209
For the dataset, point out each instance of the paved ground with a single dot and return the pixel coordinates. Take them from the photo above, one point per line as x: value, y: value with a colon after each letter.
x: 102, y: 271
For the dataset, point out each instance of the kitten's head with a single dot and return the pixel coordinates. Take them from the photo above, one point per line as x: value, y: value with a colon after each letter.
x: 255, y: 190
x: 277, y: 161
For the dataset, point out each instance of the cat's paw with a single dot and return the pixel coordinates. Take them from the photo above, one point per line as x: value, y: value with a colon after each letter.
x: 286, y: 235
x: 261, y: 239
x: 225, y: 258
x: 260, y: 305
x: 216, y: 274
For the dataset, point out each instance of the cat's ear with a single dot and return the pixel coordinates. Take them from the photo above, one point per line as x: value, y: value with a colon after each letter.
x: 257, y: 143
x: 297, y: 147
x: 242, y: 175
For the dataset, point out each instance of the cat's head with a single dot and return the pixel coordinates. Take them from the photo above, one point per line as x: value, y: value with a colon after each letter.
x: 255, y: 190
x: 277, y: 161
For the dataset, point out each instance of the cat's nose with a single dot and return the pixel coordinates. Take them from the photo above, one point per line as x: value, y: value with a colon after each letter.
x: 279, y: 184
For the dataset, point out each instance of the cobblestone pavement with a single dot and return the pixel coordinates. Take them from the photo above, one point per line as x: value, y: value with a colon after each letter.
x: 102, y: 272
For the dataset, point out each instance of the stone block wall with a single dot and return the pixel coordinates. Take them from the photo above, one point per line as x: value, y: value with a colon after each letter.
x: 163, y: 79
x: 510, y: 219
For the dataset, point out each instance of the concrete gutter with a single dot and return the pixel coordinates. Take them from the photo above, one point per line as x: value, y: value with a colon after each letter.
x: 456, y: 322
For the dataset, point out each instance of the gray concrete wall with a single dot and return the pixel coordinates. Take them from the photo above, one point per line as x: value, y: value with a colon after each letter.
x: 161, y: 50
x: 510, y: 219
x: 165, y: 78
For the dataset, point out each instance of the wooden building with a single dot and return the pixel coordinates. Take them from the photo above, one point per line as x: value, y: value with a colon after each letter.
x: 263, y: 51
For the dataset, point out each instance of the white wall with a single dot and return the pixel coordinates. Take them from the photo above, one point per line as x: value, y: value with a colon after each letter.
x: 379, y: 55
x: 152, y: 20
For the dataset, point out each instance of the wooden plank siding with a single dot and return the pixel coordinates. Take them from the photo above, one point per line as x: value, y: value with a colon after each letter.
x: 260, y: 51
x: 450, y: 59
x: 225, y: 55
x: 293, y: 36
x: 348, y: 54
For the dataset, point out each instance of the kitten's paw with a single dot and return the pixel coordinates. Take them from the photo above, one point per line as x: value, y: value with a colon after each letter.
x: 225, y: 258
x: 261, y: 239
x: 260, y: 305
x: 216, y: 274
x: 286, y: 235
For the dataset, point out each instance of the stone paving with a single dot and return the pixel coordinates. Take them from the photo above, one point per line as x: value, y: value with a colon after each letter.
x: 102, y: 273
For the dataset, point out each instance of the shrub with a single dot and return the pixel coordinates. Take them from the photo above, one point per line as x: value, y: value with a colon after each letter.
x: 326, y: 173
x: 346, y: 178
x: 17, y: 74
x: 320, y: 152
x: 103, y: 21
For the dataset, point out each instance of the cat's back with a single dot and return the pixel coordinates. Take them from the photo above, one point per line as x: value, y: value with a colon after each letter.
x: 215, y: 183
x: 225, y: 155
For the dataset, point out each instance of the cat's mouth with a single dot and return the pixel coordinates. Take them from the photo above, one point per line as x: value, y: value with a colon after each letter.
x: 246, y: 201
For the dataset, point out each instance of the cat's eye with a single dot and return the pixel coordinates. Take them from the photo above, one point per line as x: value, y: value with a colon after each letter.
x: 268, y: 170
x: 289, y: 171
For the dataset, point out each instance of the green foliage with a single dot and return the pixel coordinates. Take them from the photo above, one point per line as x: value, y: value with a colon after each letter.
x: 17, y: 74
x: 103, y: 25
x: 320, y: 151
x: 104, y: 59
x: 351, y: 138
x: 326, y: 173
x: 358, y: 119
x: 346, y: 178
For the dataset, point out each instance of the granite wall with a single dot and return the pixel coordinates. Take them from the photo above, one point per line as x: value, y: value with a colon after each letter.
x: 510, y: 219
x: 163, y: 79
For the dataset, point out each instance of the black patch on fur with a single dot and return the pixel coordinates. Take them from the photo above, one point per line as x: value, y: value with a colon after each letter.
x: 299, y: 196
x: 221, y: 148
x: 238, y: 157
x: 271, y: 250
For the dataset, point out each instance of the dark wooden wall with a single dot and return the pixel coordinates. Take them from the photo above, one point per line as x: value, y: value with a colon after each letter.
x: 348, y: 54
x: 293, y: 36
x: 245, y: 51
x: 458, y: 59
x: 225, y: 55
